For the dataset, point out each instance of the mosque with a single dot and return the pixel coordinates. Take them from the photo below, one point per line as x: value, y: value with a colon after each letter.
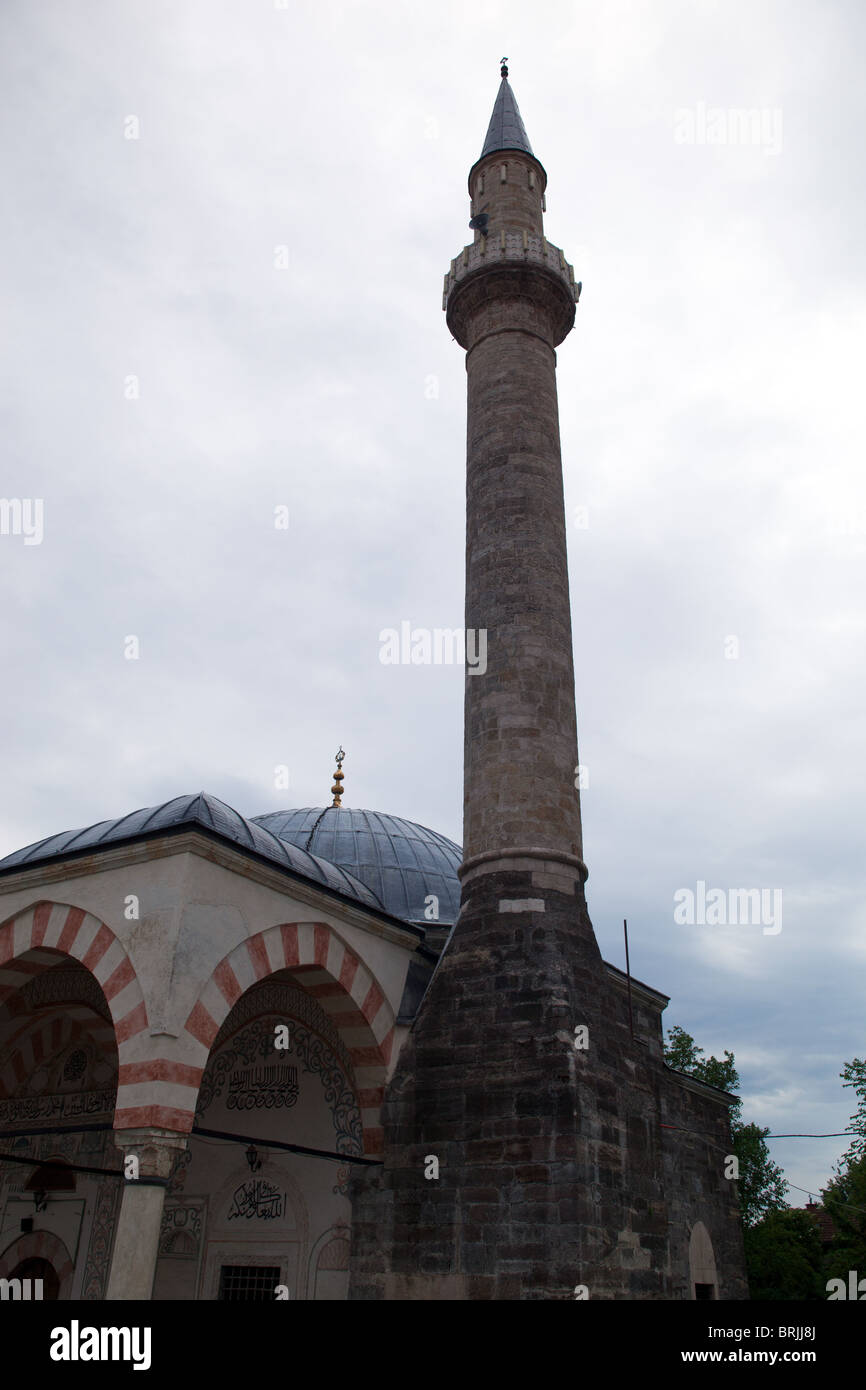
x: 326, y: 1053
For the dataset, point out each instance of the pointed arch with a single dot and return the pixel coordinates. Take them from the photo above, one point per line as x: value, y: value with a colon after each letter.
x: 47, y: 1034
x: 41, y: 1245
x: 39, y: 937
x: 702, y: 1263
x: 328, y: 1276
x: 32, y: 940
x: 316, y: 957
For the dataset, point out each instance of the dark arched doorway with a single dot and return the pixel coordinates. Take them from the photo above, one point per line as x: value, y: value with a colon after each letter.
x: 33, y: 1269
x: 58, y: 1095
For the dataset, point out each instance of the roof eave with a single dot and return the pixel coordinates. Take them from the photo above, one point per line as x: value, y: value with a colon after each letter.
x: 209, y: 832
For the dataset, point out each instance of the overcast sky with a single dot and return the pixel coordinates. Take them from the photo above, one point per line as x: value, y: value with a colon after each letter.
x: 226, y: 227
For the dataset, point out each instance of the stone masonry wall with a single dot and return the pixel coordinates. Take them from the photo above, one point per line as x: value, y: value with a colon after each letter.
x: 514, y: 201
x: 554, y: 1169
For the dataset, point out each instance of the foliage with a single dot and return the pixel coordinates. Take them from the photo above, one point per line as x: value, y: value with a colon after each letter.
x: 854, y: 1075
x: 762, y: 1186
x: 682, y: 1052
x: 784, y: 1257
x: 845, y: 1195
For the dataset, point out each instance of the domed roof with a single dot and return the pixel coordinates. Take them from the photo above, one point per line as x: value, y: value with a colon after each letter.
x: 205, y: 812
x: 401, y: 862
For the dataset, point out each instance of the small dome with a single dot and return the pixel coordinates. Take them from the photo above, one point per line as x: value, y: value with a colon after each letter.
x: 401, y: 862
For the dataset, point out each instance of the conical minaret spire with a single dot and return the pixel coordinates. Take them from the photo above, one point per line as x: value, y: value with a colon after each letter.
x: 506, y: 130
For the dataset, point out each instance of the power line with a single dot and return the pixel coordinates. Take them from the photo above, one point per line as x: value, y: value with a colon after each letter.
x: 60, y: 1164
x: 216, y: 1134
x: 809, y: 1191
x: 839, y: 1134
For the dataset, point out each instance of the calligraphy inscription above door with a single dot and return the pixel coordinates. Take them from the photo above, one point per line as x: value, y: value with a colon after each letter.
x: 257, y: 1199
x: 272, y: 1086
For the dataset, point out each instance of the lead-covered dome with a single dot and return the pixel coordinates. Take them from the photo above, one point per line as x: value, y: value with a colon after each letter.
x: 404, y: 864
x: 204, y: 812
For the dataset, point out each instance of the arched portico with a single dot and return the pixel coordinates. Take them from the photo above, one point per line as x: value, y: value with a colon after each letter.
x: 325, y: 967
x: 35, y: 939
x: 33, y: 943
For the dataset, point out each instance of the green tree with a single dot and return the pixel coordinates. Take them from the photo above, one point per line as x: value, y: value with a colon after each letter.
x: 784, y: 1257
x: 762, y: 1186
x: 845, y: 1195
x: 854, y: 1074
x: 845, y: 1199
x: 682, y: 1052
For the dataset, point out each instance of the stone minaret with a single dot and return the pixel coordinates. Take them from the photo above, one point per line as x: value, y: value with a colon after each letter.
x: 551, y: 1170
x: 510, y: 302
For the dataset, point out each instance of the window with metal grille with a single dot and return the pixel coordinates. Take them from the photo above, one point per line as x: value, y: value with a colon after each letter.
x: 249, y: 1283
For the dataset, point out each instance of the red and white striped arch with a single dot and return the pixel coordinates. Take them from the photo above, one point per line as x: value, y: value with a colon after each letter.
x: 37, y: 938
x: 322, y: 964
x: 50, y: 1032
x: 45, y: 1246
x: 162, y: 1092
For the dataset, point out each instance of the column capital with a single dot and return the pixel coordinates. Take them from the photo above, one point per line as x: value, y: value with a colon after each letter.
x: 155, y: 1149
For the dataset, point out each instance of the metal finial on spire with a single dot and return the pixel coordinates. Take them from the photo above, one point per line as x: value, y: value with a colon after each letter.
x: 337, y: 788
x: 503, y: 71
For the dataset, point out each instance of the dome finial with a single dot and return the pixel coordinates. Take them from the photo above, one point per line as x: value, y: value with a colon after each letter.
x: 337, y: 788
x: 503, y: 71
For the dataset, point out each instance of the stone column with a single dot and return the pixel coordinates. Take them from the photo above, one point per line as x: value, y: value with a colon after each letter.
x: 520, y: 795
x: 136, y: 1240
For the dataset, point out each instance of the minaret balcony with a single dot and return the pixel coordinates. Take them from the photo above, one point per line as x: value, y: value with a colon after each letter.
x: 508, y: 248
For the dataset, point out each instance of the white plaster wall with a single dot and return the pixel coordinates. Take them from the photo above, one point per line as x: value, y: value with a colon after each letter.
x: 192, y: 913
